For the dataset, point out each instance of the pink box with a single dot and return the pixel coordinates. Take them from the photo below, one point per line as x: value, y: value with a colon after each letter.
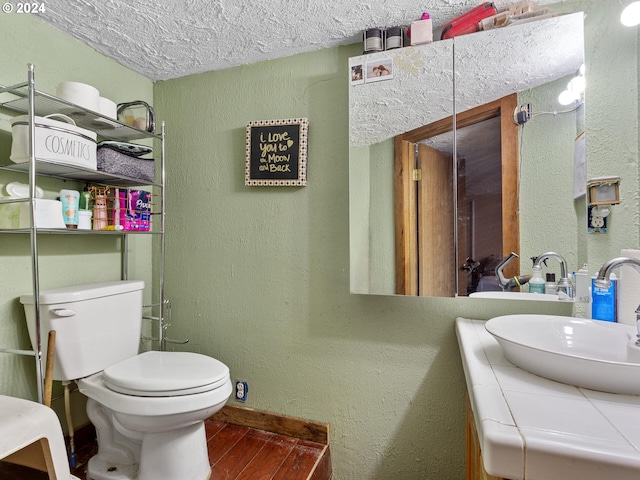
x: 132, y: 210
x: 421, y: 32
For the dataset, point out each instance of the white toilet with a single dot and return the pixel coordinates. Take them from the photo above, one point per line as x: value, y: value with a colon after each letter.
x: 149, y: 408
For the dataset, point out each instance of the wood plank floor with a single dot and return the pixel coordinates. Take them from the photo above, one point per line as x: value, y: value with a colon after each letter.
x: 240, y: 452
x: 235, y: 452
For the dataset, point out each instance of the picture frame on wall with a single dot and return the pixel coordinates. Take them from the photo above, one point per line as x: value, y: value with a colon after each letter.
x: 276, y: 153
x: 379, y: 70
x: 357, y: 74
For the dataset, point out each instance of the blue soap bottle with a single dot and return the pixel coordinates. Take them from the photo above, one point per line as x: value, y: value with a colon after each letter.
x: 603, y: 306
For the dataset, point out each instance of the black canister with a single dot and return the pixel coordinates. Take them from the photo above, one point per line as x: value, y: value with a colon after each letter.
x: 394, y: 38
x: 373, y: 40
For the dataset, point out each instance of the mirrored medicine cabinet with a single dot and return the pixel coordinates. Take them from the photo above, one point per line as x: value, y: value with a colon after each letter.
x: 424, y: 224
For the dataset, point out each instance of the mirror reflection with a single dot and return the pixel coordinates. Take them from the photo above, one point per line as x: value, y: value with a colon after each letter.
x: 405, y: 237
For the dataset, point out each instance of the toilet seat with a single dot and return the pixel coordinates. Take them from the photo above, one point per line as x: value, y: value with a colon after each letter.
x: 166, y: 374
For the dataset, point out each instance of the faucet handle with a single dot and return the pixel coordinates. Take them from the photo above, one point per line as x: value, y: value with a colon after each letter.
x: 502, y: 280
x: 470, y: 265
x: 535, y: 259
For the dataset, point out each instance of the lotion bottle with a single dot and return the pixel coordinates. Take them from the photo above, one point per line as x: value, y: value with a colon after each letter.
x: 70, y: 202
x: 536, y: 282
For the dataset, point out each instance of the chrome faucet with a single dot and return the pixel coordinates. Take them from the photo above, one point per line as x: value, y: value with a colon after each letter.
x: 564, y: 284
x: 602, y: 281
x: 508, y: 285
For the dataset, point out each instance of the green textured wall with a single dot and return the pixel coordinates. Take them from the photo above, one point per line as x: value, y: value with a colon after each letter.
x: 259, y: 277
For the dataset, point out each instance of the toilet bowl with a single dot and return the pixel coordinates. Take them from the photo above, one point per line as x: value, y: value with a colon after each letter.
x: 148, y: 408
x: 148, y: 411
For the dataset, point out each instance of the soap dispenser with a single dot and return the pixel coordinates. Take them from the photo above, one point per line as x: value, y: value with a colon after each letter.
x: 536, y: 283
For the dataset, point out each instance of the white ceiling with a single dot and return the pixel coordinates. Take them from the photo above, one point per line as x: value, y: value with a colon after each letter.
x: 164, y: 39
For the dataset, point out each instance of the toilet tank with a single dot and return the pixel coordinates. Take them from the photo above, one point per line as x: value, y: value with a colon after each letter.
x: 96, y: 325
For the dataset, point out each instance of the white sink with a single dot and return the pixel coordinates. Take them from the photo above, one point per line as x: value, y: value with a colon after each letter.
x: 536, y: 297
x: 585, y: 353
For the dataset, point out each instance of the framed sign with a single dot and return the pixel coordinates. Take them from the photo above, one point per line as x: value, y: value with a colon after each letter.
x: 277, y: 153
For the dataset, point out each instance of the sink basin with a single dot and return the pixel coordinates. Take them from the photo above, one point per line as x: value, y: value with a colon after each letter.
x: 537, y: 297
x: 585, y: 353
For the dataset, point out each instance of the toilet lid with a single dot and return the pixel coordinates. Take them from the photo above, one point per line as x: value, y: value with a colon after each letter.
x: 162, y: 374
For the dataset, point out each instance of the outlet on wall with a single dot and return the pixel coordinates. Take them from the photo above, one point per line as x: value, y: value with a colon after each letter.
x: 522, y: 114
x: 596, y: 221
x: 241, y: 390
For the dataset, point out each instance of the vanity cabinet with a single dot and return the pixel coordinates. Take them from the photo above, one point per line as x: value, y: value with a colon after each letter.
x: 475, y: 466
x: 530, y: 427
x: 24, y: 98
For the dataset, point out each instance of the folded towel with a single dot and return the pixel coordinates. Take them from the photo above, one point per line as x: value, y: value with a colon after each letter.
x: 117, y: 163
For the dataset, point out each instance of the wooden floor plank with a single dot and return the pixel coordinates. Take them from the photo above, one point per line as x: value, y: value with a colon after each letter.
x: 83, y: 455
x: 269, y: 459
x: 323, y: 469
x: 299, y: 463
x: 224, y: 440
x: 229, y: 466
x: 211, y: 427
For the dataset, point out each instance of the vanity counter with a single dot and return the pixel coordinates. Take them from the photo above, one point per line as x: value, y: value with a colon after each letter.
x: 533, y: 428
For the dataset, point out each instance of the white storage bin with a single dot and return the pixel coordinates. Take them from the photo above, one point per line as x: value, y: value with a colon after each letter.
x: 55, y: 141
x: 17, y: 215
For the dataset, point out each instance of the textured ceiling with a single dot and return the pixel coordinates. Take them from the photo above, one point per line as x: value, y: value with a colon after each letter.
x: 164, y: 39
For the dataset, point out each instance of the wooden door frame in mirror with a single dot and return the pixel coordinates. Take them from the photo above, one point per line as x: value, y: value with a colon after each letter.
x: 404, y: 186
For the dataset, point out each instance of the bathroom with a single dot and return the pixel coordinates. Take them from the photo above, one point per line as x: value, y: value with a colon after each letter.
x: 259, y: 278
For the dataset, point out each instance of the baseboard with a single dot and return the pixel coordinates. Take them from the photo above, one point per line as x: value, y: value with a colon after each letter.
x: 272, y: 422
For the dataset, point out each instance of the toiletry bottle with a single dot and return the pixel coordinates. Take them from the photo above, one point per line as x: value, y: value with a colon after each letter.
x: 70, y: 205
x: 581, y: 281
x: 85, y: 212
x: 550, y: 285
x: 604, y: 301
x: 85, y: 200
x: 536, y: 283
x: 100, y: 211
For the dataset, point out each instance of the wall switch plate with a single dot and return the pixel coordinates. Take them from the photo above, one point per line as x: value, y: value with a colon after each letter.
x: 241, y: 390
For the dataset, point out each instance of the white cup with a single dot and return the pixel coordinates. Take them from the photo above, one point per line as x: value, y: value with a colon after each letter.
x: 84, y: 219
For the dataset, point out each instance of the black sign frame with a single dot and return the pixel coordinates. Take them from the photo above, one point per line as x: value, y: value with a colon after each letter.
x: 276, y: 153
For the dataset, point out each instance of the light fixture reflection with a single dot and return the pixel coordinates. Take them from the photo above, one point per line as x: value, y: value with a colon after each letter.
x: 568, y: 335
x: 567, y: 97
x: 575, y: 89
x: 630, y: 16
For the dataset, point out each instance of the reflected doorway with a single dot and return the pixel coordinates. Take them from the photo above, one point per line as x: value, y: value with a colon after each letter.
x: 449, y: 244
